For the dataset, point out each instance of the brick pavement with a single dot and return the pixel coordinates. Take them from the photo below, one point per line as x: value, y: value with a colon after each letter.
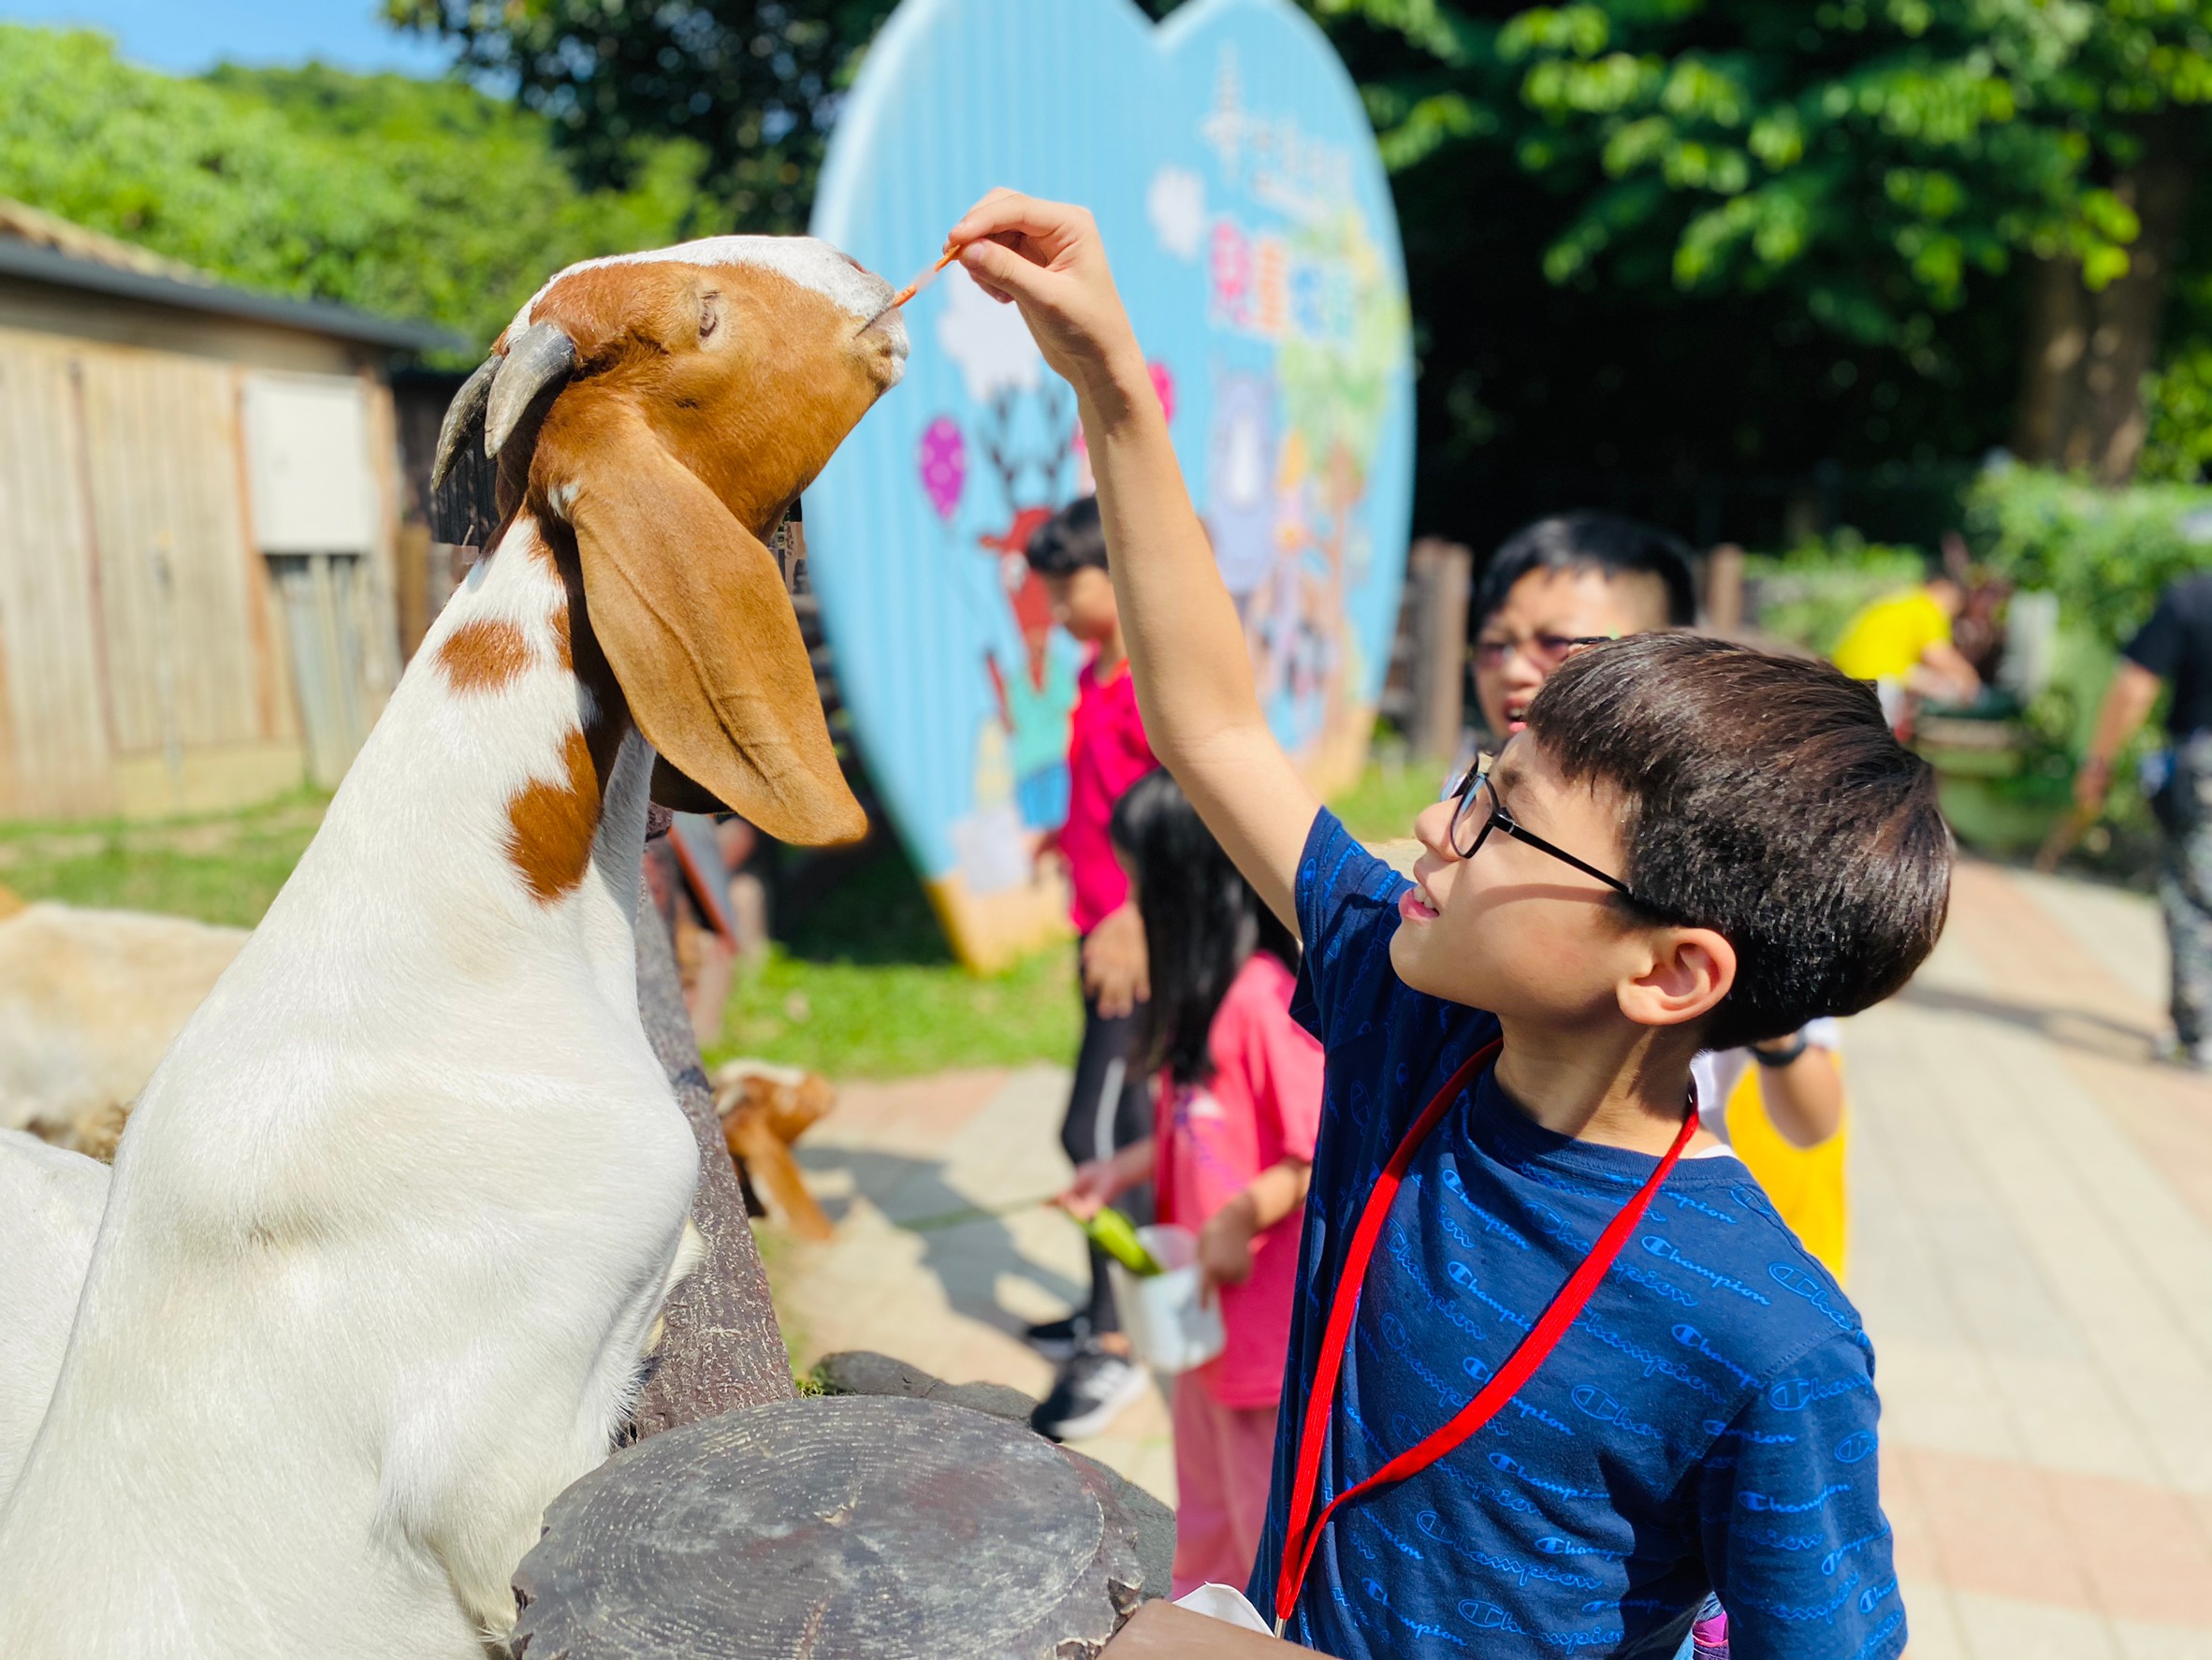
x: 2032, y: 1198
x: 2032, y: 1250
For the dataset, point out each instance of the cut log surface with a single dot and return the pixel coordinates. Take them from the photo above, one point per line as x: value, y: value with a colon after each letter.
x: 862, y: 1372
x: 721, y: 1347
x: 847, y: 1528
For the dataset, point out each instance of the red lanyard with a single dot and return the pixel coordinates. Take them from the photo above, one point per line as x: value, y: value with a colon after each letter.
x: 1300, y: 1540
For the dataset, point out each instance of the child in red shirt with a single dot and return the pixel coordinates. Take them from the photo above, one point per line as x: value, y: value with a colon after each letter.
x: 1238, y: 1103
x: 1109, y: 1105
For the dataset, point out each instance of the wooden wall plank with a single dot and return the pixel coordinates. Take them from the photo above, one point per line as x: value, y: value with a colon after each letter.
x: 162, y: 443
x: 59, y: 754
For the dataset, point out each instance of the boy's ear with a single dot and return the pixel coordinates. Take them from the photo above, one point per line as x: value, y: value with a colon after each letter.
x: 1685, y: 977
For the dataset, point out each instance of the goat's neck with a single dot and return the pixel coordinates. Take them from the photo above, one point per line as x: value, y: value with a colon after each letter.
x: 508, y: 758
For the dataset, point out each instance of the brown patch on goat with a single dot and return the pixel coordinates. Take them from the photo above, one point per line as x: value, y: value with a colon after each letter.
x: 550, y: 826
x: 484, y: 655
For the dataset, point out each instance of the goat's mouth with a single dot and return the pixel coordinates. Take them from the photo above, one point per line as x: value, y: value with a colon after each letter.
x: 890, y: 328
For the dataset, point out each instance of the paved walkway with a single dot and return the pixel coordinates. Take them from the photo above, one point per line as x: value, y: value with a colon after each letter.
x: 2032, y: 1250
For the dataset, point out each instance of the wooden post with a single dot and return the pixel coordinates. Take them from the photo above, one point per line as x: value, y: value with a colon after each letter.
x: 1724, y: 591
x: 1439, y: 577
x: 721, y: 1347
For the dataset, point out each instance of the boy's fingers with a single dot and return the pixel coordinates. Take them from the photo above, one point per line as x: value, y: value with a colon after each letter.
x: 998, y: 270
x: 1004, y: 210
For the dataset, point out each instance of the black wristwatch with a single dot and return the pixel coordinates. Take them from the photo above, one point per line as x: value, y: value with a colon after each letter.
x: 1779, y: 1058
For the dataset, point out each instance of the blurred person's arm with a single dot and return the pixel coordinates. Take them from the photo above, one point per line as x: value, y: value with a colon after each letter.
x: 1187, y: 646
x: 1804, y: 1099
x: 1943, y: 673
x: 1114, y: 968
x: 1098, y: 1182
x: 2128, y: 703
x: 1225, y: 1243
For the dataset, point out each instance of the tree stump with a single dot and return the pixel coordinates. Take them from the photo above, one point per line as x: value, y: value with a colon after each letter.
x: 721, y: 1347
x: 863, y: 1371
x: 847, y: 1528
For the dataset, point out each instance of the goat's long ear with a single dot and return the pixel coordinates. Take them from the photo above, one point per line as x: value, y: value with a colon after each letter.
x: 692, y: 612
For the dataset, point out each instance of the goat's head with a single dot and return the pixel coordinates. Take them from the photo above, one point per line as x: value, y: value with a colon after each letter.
x: 665, y: 410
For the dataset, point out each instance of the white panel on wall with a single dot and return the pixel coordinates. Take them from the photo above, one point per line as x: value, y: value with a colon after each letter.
x: 308, y: 449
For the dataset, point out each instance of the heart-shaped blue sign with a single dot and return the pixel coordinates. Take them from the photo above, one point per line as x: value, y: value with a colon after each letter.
x: 1235, y: 178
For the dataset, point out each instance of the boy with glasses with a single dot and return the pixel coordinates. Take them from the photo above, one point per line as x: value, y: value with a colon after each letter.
x: 1561, y: 584
x: 1557, y: 1372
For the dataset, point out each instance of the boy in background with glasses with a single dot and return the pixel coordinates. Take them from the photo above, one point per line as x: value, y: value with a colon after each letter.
x: 1691, y: 844
x: 1559, y: 585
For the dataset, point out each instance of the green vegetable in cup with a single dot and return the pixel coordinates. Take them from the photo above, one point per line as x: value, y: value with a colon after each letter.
x: 1116, y: 1235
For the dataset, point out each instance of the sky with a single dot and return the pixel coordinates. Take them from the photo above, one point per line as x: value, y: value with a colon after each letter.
x: 187, y: 36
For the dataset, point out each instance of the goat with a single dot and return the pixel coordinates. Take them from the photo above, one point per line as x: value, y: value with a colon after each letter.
x: 392, y: 1223
x: 52, y: 1198
x: 89, y: 999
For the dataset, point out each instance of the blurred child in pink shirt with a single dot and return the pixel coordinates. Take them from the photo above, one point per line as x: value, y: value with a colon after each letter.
x: 1109, y: 1105
x: 1237, y: 1103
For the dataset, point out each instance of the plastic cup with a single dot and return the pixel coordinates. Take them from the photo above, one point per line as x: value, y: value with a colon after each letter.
x: 1167, y: 1323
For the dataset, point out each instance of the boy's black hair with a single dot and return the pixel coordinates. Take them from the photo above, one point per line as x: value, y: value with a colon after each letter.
x: 1201, y: 920
x: 1070, y: 540
x: 1602, y: 542
x: 1767, y: 799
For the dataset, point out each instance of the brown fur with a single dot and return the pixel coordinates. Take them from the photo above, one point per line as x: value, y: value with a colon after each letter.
x: 484, y: 655
x: 762, y: 1113
x: 551, y: 826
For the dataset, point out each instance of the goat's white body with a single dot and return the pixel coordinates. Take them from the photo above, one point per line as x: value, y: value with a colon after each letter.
x: 51, y: 1200
x: 389, y: 1227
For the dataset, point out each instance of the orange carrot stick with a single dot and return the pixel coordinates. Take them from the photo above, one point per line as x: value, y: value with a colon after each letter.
x: 927, y: 278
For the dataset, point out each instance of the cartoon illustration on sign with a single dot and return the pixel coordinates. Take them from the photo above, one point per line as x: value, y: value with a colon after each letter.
x: 1234, y: 176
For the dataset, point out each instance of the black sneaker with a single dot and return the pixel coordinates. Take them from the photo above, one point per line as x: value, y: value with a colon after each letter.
x: 1092, y: 1387
x: 1058, y: 1340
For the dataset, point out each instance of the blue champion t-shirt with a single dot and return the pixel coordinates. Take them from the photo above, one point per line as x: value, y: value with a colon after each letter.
x: 1709, y: 1423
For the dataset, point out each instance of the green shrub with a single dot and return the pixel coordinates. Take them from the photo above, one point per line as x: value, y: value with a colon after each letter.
x: 1809, y: 595
x: 2106, y: 554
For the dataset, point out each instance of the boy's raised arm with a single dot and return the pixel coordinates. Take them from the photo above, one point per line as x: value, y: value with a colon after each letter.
x: 1187, y: 647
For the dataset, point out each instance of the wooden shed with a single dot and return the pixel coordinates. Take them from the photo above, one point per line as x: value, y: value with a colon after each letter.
x: 199, y: 507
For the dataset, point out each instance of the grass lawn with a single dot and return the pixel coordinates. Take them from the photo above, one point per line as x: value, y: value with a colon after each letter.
x: 863, y: 987
x: 219, y: 867
x: 1381, y: 807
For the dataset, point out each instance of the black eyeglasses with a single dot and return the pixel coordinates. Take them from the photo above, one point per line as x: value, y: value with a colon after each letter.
x: 1547, y: 651
x: 1472, y: 820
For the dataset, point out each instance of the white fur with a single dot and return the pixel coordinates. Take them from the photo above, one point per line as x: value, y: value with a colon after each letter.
x: 387, y: 1232
x: 51, y: 1200
x: 805, y: 260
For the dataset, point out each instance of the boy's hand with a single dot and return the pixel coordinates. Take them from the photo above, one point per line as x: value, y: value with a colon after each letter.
x: 1115, y: 971
x: 1225, y: 1246
x: 1047, y: 258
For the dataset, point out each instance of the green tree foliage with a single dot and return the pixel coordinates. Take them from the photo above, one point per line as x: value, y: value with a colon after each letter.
x: 755, y: 86
x: 755, y: 83
x: 2106, y: 554
x: 417, y: 199
x: 1870, y: 155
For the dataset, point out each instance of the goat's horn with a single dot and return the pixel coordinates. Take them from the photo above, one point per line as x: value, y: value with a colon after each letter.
x: 537, y: 357
x: 465, y: 412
